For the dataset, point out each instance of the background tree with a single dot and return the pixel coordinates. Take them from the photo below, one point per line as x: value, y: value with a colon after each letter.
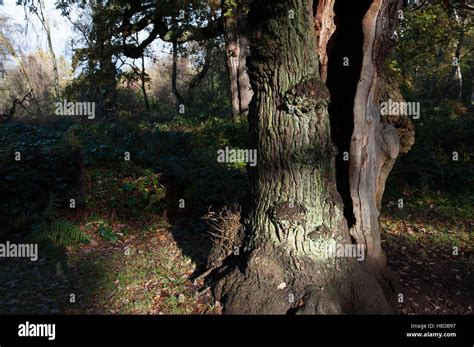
x: 9, y: 50
x: 425, y: 62
x: 38, y: 9
x: 237, y: 51
x: 41, y: 81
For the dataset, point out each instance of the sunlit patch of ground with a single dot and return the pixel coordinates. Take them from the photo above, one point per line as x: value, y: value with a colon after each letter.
x: 139, y: 273
x: 145, y: 267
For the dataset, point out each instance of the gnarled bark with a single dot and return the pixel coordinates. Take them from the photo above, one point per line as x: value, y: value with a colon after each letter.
x: 297, y: 211
x: 375, y: 142
x: 324, y: 26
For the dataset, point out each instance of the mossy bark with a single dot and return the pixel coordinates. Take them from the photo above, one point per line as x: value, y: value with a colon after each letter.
x: 296, y: 211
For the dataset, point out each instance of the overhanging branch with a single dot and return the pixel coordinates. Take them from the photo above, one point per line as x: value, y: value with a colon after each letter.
x: 160, y: 30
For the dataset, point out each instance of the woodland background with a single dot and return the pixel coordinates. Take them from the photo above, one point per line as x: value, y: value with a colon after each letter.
x: 134, y: 205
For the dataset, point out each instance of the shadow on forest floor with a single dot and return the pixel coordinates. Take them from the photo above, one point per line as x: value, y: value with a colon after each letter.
x: 144, y: 272
x: 130, y: 202
x: 155, y: 276
x: 147, y: 268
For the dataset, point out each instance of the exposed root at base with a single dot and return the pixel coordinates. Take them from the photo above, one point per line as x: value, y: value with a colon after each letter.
x: 270, y: 285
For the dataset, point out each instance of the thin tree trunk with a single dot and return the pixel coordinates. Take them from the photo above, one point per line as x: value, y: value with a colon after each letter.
x: 245, y: 88
x: 45, y: 22
x: 109, y: 81
x: 174, y: 75
x: 106, y: 73
x: 460, y: 82
x: 143, y: 85
x: 456, y: 73
x: 237, y: 51
x: 232, y: 61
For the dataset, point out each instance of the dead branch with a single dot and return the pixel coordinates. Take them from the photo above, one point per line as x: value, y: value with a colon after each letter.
x: 5, y: 117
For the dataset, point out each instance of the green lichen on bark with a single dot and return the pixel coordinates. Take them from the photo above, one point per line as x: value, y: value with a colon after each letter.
x: 307, y: 98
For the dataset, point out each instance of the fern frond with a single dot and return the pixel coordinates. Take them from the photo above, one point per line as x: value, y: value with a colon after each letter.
x: 51, y: 212
x: 65, y: 233
x: 49, y: 227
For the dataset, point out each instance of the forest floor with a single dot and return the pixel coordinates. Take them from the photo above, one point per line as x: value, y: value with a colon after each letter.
x: 429, y: 245
x: 147, y: 271
x: 139, y: 273
x: 139, y: 261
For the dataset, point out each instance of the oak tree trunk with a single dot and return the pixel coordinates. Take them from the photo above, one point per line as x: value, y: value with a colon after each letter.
x: 297, y: 210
